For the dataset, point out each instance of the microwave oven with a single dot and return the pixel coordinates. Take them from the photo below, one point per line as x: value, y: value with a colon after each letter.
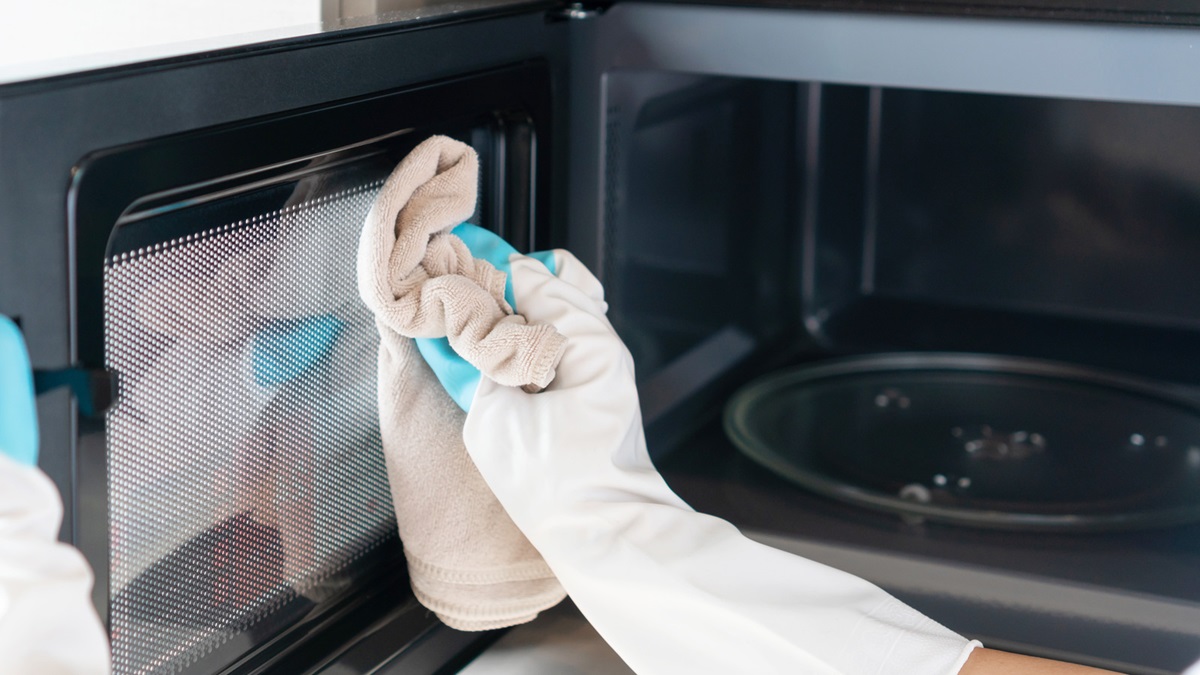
x: 759, y: 186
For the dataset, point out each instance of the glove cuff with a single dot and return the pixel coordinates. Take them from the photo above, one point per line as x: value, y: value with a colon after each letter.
x: 547, y: 351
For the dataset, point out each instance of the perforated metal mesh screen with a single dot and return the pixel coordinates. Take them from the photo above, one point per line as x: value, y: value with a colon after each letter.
x: 244, y: 454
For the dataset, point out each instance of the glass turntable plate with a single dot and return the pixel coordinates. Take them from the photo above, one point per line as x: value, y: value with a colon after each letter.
x: 987, y: 441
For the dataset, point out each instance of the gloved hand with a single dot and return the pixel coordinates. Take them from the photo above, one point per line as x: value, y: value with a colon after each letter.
x: 670, y: 589
x: 47, y: 622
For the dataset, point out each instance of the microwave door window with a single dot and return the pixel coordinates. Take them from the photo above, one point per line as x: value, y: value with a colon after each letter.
x: 244, y: 465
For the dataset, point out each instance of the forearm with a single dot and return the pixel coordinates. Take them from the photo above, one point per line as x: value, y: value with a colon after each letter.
x: 712, y: 601
x: 673, y: 590
x: 993, y: 662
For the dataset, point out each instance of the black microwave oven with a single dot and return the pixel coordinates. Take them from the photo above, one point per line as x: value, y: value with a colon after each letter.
x: 985, y: 188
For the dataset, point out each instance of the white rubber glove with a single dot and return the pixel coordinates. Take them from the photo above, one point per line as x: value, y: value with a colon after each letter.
x: 671, y: 590
x: 47, y: 623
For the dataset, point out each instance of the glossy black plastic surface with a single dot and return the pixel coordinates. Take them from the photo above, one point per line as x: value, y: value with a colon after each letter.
x: 1066, y: 208
x: 1030, y: 226
x: 699, y: 252
x: 1171, y: 12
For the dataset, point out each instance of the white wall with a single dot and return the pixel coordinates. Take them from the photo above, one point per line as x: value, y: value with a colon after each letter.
x: 47, y: 37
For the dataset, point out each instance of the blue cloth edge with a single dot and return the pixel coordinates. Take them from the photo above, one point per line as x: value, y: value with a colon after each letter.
x: 459, y: 378
x: 18, y: 405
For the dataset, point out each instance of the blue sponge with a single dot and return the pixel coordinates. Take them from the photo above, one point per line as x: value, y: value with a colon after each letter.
x: 458, y: 377
x: 18, y: 410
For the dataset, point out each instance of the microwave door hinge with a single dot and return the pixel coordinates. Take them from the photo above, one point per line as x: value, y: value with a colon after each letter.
x: 95, y: 389
x: 575, y: 11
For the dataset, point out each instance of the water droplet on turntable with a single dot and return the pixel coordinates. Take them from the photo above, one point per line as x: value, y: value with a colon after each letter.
x: 915, y: 492
x: 940, y: 480
x: 964, y: 482
x: 892, y: 395
x: 1137, y: 440
x: 1193, y: 457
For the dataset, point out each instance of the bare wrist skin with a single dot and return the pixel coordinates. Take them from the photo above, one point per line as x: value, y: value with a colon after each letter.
x: 992, y: 662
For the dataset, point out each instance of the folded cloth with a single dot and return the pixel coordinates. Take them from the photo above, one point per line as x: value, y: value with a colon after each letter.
x: 467, y: 560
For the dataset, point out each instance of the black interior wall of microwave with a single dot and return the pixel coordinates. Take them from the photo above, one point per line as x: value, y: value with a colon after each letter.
x: 888, y: 219
x: 1062, y: 207
x: 1043, y: 227
x: 701, y: 251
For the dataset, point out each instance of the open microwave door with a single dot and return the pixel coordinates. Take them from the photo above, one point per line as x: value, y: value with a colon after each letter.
x: 179, y: 237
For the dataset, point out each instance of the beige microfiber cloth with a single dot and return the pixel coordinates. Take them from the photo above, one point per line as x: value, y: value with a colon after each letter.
x: 467, y: 561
